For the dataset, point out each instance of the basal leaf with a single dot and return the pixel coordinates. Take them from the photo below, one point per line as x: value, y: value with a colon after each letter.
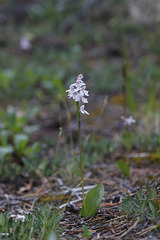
x: 92, y: 201
x: 124, y: 168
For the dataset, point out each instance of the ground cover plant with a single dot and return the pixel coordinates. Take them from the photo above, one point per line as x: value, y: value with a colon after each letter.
x: 70, y: 171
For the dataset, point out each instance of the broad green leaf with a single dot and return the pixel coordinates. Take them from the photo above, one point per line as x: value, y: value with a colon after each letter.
x: 20, y: 141
x: 5, y: 151
x: 4, y: 137
x: 124, y: 168
x: 92, y: 201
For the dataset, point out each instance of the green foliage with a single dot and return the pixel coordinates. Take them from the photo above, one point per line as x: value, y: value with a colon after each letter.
x: 14, y: 141
x: 40, y: 226
x: 95, y: 149
x: 6, y: 77
x: 4, y: 151
x: 52, y: 236
x: 20, y: 143
x: 92, y: 201
x: 15, y: 121
x: 104, y: 145
x: 86, y: 232
x: 128, y: 139
x: 125, y: 169
x: 142, y: 205
x: 46, y: 220
x: 105, y: 76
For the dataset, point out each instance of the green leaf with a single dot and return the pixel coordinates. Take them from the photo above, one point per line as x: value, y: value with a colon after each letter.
x: 5, y: 151
x: 86, y: 233
x: 20, y: 139
x: 2, y: 219
x: 124, y: 168
x: 92, y: 201
x: 153, y: 209
x: 154, y: 194
x: 142, y: 208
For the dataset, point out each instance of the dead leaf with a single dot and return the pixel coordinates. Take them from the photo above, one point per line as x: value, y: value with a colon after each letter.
x: 27, y: 187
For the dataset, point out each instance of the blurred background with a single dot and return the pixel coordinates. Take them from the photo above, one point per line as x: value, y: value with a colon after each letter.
x: 44, y: 45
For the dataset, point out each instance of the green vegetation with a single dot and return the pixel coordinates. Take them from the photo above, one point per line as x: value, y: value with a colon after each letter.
x: 142, y: 205
x: 41, y: 225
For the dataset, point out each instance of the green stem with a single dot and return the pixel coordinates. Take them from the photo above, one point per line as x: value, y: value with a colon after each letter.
x: 128, y: 139
x: 128, y: 142
x: 80, y: 154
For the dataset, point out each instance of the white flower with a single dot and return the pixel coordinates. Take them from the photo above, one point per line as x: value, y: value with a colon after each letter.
x: 84, y: 100
x: 80, y: 76
x: 78, y: 84
x: 25, y: 43
x: 128, y: 121
x: 71, y: 91
x: 76, y: 96
x: 83, y: 90
x: 82, y: 110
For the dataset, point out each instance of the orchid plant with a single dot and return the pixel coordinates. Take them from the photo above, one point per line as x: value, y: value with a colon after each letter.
x: 77, y: 91
x: 124, y: 166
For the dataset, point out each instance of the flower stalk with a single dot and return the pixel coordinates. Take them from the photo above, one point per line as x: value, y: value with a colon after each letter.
x: 80, y: 153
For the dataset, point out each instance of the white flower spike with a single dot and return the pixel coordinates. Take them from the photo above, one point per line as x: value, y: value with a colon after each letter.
x: 78, y: 92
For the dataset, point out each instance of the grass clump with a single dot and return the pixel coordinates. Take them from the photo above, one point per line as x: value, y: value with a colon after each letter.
x: 40, y: 226
x: 143, y: 205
